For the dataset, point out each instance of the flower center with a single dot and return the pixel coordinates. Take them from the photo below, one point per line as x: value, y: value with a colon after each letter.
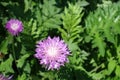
x: 14, y: 26
x: 52, y: 52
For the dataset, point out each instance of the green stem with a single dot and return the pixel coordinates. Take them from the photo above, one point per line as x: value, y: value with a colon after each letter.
x: 95, y: 69
x: 14, y: 56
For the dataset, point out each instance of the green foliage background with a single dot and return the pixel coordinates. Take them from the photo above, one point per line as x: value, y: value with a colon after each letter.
x: 91, y: 28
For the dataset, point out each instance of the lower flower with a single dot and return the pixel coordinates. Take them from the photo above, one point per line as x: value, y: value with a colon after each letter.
x: 5, y: 78
x: 52, y: 53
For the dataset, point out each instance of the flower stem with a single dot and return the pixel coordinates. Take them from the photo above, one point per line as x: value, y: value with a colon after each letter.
x: 14, y: 55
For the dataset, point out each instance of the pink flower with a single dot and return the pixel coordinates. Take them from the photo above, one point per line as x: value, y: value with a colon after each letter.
x: 52, y: 53
x: 5, y: 78
x: 14, y: 26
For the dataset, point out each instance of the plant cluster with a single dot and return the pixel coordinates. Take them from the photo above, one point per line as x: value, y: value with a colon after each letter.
x: 59, y: 40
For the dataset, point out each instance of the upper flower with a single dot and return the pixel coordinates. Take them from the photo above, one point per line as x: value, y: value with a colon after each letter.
x: 14, y: 26
x: 52, y: 53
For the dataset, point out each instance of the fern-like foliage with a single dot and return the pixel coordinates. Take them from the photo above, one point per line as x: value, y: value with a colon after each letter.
x: 102, y: 28
x: 71, y: 29
x: 71, y: 33
x: 46, y: 17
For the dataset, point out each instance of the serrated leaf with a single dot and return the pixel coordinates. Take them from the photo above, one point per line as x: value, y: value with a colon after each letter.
x: 76, y: 30
x: 6, y: 66
x: 71, y: 19
x: 76, y: 22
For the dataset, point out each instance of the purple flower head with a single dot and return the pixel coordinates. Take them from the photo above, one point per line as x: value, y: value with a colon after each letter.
x: 5, y: 78
x: 14, y: 26
x: 52, y: 53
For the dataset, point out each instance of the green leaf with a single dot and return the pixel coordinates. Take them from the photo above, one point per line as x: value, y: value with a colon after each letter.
x: 98, y: 42
x: 72, y: 46
x: 6, y: 66
x: 47, y: 75
x: 22, y: 77
x: 27, y: 68
x: 88, y: 38
x: 109, y: 35
x: 97, y: 76
x: 4, y: 44
x: 71, y: 29
x: 4, y: 3
x: 64, y: 33
x: 34, y: 27
x: 21, y: 61
x: 26, y: 5
x: 117, y: 70
x: 83, y: 3
x: 111, y: 66
x: 52, y: 22
x: 118, y: 53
